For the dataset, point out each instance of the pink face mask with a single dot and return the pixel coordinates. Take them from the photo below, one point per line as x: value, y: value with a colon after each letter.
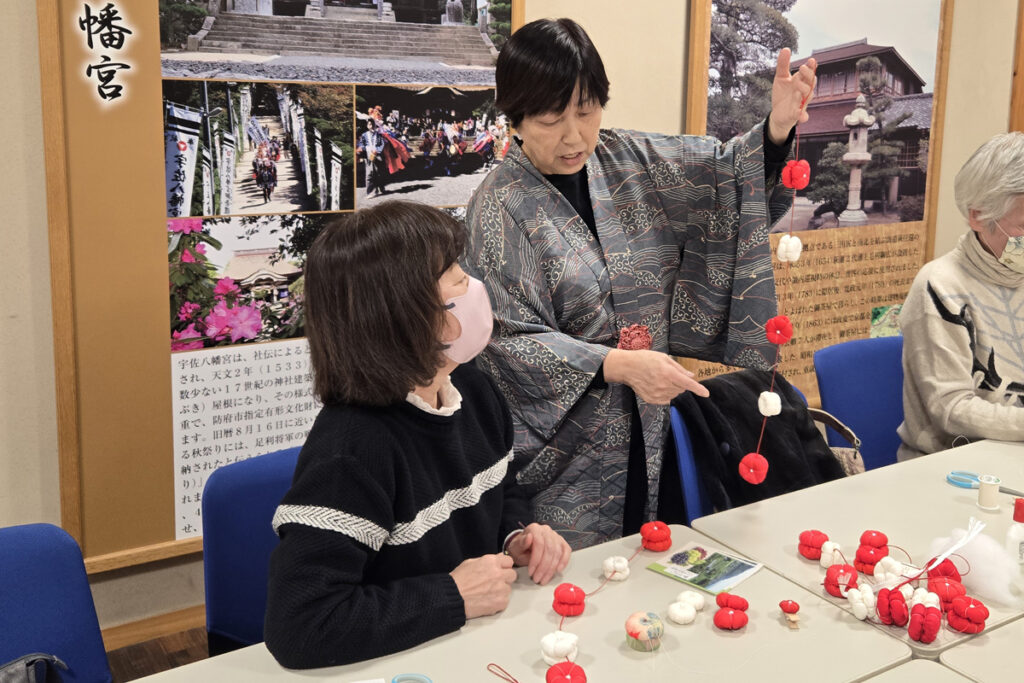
x: 473, y: 311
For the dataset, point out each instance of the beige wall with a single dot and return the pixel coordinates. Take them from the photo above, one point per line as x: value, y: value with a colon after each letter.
x: 644, y: 53
x: 643, y: 46
x: 978, y: 104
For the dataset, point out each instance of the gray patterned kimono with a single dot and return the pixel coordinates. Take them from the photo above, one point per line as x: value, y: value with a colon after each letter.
x: 683, y: 226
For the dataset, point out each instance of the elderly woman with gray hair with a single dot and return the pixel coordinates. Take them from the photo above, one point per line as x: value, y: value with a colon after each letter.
x: 963, y: 328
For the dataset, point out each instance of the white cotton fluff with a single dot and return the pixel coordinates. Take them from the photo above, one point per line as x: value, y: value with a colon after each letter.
x: 691, y: 598
x: 769, y: 403
x: 923, y: 596
x: 559, y: 646
x: 682, y: 613
x: 862, y: 602
x: 789, y: 248
x: 616, y: 568
x: 890, y: 570
x: 830, y: 554
x: 994, y: 576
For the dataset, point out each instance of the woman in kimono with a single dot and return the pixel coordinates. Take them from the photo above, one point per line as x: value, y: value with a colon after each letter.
x: 603, y: 252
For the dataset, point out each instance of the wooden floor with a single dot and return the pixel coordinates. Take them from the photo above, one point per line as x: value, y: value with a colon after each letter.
x: 153, y: 656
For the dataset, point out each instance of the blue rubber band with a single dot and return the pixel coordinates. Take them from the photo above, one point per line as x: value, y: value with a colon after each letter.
x: 410, y: 678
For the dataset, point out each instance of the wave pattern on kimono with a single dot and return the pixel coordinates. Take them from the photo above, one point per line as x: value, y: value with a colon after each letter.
x: 683, y: 248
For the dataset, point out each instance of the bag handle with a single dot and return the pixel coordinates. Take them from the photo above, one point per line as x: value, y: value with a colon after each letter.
x: 832, y: 421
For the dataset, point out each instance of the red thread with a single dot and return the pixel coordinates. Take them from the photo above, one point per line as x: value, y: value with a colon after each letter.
x: 501, y: 673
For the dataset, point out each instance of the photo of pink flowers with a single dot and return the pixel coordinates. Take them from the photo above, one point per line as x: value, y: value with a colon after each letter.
x: 237, y: 280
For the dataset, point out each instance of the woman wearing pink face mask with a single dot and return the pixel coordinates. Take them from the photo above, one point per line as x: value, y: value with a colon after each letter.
x: 404, y: 519
x: 963, y: 321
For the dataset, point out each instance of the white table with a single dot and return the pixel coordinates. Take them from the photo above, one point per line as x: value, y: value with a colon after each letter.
x: 828, y: 640
x: 910, y: 502
x: 919, y: 671
x: 990, y: 656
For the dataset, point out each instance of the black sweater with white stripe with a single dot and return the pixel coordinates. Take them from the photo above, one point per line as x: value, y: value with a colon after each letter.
x: 385, y: 502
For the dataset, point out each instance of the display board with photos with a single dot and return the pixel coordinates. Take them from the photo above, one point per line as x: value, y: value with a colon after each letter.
x: 862, y: 248
x: 194, y: 152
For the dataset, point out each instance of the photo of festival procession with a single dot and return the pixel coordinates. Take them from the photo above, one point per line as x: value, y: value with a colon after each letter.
x: 868, y: 135
x: 238, y: 280
x: 454, y: 42
x: 257, y: 148
x: 432, y: 145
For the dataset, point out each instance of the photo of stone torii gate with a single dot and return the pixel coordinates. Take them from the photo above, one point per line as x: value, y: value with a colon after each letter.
x: 353, y: 41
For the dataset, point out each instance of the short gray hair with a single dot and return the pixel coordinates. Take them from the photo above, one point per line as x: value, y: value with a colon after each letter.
x: 992, y: 179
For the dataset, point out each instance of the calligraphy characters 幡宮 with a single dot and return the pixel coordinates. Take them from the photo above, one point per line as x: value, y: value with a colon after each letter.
x: 105, y: 28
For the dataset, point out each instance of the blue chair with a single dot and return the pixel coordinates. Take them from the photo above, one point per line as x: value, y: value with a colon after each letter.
x: 238, y: 505
x: 694, y: 500
x: 861, y: 383
x: 46, y: 604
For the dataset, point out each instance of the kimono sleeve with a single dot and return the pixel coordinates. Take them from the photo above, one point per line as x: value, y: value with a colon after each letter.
x: 541, y: 371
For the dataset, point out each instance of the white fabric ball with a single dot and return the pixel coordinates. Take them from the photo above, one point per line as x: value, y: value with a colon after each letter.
x: 830, y: 554
x: 682, y: 613
x: 889, y: 569
x: 908, y: 592
x: 616, y: 568
x: 691, y: 598
x: 789, y: 248
x: 769, y: 403
x: 862, y: 602
x: 559, y: 646
x: 923, y: 596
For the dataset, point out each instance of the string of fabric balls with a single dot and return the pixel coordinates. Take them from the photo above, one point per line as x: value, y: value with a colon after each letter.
x: 644, y: 630
x: 890, y: 592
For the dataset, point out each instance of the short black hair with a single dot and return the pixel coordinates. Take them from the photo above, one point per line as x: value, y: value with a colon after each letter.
x: 374, y: 313
x: 540, y: 65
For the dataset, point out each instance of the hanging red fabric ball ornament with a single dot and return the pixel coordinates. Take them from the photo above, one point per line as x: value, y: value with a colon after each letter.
x: 565, y: 672
x: 839, y: 578
x: 810, y: 543
x: 892, y: 607
x: 732, y: 601
x: 867, y: 556
x: 946, y: 569
x: 967, y: 614
x: 924, y: 623
x: 796, y: 174
x: 789, y: 606
x: 569, y: 600
x: 729, y: 619
x: 656, y: 536
x: 753, y: 468
x: 947, y: 589
x: 778, y: 330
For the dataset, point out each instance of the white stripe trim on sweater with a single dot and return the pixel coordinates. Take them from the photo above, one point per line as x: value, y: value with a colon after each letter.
x: 373, y: 535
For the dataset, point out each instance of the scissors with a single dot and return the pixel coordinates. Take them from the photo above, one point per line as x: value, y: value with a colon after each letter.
x: 969, y: 480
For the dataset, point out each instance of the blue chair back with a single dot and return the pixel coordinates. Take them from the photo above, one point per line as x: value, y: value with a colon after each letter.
x: 46, y: 603
x: 861, y: 383
x: 693, y: 494
x: 238, y: 505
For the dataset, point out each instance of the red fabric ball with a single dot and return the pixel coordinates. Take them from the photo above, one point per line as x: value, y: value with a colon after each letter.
x: 874, y: 538
x: 656, y: 536
x: 569, y: 600
x: 796, y: 174
x: 731, y: 601
x: 635, y: 337
x: 947, y: 590
x: 840, y: 575
x: 778, y: 330
x: 789, y: 606
x: 867, y: 556
x: 565, y: 672
x: 754, y: 468
x: 924, y: 623
x: 810, y: 543
x: 729, y: 619
x: 967, y: 614
x: 892, y: 607
x: 946, y: 569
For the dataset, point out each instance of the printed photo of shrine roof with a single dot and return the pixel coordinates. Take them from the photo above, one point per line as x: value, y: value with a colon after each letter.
x: 444, y: 42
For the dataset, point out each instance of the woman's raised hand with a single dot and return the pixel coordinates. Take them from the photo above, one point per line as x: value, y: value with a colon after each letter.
x: 652, y: 375
x: 790, y: 95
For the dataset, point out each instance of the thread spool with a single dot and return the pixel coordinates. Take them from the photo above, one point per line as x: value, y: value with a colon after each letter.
x: 988, y: 492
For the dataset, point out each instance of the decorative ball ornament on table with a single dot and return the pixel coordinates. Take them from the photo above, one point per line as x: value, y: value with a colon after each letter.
x: 569, y: 600
x: 789, y: 610
x: 656, y: 536
x: 644, y: 631
x: 810, y: 544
